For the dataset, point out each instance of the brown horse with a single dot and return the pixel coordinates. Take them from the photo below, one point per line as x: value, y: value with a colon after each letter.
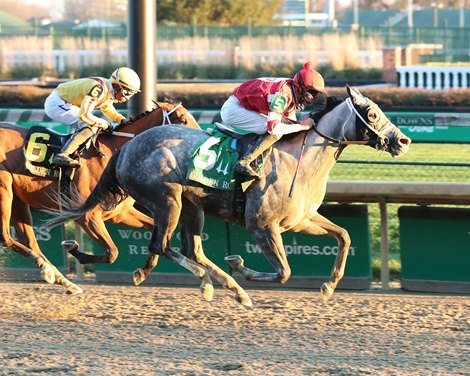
x: 20, y: 190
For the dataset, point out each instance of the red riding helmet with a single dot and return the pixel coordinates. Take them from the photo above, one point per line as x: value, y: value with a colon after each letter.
x: 309, y: 79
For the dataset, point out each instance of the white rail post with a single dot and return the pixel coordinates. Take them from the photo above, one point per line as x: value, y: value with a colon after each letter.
x: 79, y: 269
x: 384, y: 269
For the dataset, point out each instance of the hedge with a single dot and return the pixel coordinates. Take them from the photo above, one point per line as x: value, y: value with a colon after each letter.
x: 388, y: 98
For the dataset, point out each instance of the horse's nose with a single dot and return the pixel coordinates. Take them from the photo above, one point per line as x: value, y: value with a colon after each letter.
x: 404, y: 141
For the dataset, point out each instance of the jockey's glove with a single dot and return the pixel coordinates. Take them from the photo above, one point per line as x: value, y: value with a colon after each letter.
x: 109, y: 130
x: 103, y: 124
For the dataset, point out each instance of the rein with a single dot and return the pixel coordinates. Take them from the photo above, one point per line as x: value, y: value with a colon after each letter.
x: 166, y: 120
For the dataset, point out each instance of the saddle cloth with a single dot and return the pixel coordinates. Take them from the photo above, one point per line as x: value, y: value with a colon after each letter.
x: 40, y: 147
x: 212, y: 161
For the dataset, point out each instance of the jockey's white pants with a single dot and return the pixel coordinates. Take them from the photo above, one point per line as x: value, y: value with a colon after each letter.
x: 62, y: 111
x: 237, y: 116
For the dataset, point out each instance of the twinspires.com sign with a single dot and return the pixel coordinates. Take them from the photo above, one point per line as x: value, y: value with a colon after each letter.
x: 308, y: 255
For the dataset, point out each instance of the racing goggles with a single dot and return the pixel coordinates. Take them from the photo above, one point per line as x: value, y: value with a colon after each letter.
x: 309, y: 96
x: 127, y: 93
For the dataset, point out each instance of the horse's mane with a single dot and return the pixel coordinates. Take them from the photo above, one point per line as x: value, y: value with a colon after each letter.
x: 331, y: 102
x: 145, y: 113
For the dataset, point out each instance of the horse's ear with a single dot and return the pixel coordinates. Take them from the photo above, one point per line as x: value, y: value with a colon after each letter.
x: 169, y: 100
x: 356, y: 96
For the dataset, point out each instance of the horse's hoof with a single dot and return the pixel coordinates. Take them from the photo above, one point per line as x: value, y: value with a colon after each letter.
x: 47, y: 273
x: 235, y: 261
x: 139, y: 276
x: 326, y: 291
x: 244, y: 299
x: 73, y: 290
x: 207, y: 292
x: 69, y: 245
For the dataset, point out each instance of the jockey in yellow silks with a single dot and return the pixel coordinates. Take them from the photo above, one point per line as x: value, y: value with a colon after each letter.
x: 73, y: 103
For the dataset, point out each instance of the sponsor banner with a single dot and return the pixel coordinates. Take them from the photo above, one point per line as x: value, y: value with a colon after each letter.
x: 420, y: 126
x: 49, y: 241
x: 133, y: 248
x: 314, y: 255
x: 435, y: 244
x: 308, y: 255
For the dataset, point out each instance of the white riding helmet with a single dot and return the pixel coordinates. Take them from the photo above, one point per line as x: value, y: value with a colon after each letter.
x: 127, y: 79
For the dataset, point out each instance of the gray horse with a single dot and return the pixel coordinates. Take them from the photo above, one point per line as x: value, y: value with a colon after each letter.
x: 152, y: 168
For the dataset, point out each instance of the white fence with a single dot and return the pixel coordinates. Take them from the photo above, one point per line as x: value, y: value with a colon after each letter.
x: 60, y: 60
x: 434, y: 77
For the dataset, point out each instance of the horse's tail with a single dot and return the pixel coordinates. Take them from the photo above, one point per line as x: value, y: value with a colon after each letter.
x: 108, y: 193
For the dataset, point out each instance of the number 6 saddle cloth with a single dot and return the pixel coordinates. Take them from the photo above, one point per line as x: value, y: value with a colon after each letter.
x: 40, y: 147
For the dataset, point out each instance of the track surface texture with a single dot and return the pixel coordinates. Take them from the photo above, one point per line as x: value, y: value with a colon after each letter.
x: 153, y: 330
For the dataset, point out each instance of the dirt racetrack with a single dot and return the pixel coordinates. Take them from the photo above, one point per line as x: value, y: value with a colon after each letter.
x: 126, y: 330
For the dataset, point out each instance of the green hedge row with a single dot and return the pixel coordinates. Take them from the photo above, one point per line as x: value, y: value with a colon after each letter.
x: 189, y: 71
x: 388, y: 98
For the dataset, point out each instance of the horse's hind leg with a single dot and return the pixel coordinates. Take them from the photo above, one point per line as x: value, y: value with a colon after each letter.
x: 191, y: 229
x: 166, y: 215
x: 23, y: 223
x: 6, y: 200
x: 140, y: 274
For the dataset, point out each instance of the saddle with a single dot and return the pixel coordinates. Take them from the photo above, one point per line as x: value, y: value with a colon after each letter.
x: 244, y: 140
x: 41, y: 145
x: 242, y: 144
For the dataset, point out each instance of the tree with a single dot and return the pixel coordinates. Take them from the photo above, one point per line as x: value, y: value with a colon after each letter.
x: 217, y: 12
x: 23, y: 11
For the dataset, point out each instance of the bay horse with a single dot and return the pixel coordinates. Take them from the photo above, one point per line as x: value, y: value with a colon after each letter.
x: 20, y: 191
x: 153, y: 168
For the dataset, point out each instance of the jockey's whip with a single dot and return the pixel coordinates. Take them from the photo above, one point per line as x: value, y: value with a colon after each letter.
x: 298, y: 164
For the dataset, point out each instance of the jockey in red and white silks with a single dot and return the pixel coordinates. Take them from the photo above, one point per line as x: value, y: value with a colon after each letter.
x: 260, y: 106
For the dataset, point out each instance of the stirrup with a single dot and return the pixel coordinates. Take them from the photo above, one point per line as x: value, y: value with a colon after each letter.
x: 246, y: 170
x: 63, y: 160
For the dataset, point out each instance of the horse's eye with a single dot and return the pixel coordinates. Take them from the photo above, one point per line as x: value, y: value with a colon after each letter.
x: 372, y: 115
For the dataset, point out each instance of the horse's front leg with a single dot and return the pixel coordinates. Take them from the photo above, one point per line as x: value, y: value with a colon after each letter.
x: 270, y: 242
x: 6, y: 240
x: 191, y: 228
x: 23, y: 224
x: 166, y: 214
x: 129, y: 216
x: 319, y: 225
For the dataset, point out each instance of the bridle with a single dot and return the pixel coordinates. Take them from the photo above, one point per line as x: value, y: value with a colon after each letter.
x: 380, y: 142
x: 166, y: 114
x: 166, y: 120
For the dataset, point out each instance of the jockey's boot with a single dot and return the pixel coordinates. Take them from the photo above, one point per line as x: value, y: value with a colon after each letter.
x: 73, y: 143
x: 243, y: 166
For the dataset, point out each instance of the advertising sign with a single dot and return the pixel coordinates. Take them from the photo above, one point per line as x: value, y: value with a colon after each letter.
x: 133, y: 249
x: 435, y: 248
x: 15, y: 266
x: 308, y: 255
x: 314, y: 255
